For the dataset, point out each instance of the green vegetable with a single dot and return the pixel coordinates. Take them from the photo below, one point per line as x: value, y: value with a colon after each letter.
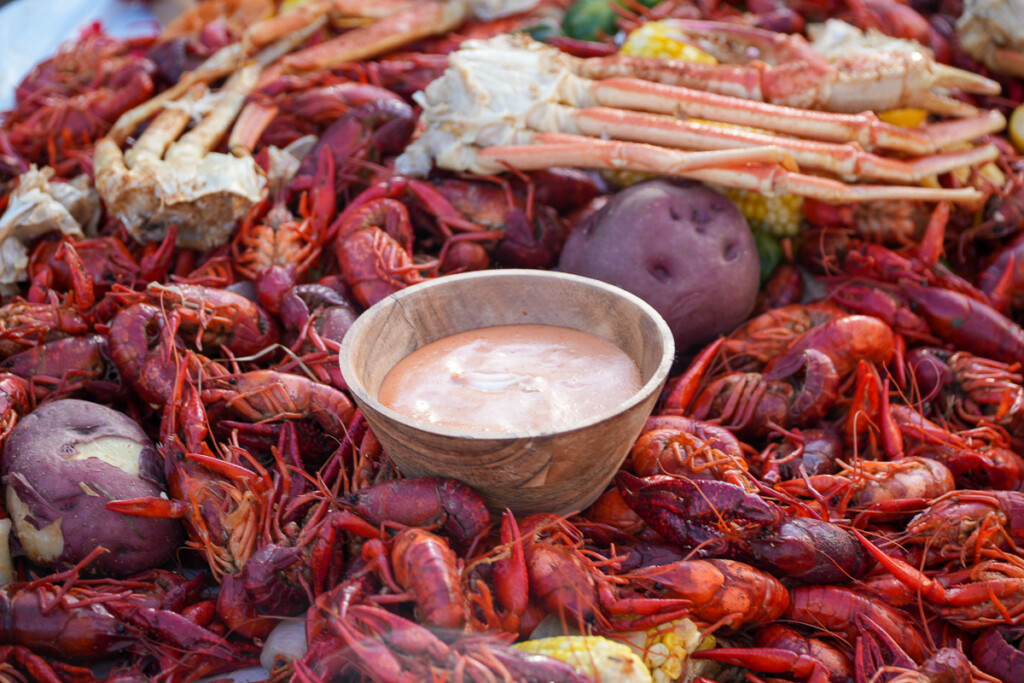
x: 769, y: 252
x: 587, y: 19
x: 543, y: 30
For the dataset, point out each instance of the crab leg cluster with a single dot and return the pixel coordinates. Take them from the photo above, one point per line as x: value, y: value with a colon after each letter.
x: 172, y: 176
x: 513, y: 102
x: 843, y: 70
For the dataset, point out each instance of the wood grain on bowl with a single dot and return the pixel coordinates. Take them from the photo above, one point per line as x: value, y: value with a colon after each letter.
x: 532, y: 471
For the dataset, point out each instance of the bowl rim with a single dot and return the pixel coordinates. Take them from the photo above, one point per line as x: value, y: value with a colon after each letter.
x: 652, y: 385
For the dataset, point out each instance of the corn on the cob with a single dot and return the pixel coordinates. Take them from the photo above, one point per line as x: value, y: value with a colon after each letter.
x: 666, y: 648
x: 1017, y: 128
x: 907, y: 118
x: 779, y: 215
x: 660, y: 39
x: 603, y: 660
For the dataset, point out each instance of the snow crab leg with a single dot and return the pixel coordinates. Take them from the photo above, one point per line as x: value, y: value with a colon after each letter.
x: 476, y: 115
x: 843, y: 70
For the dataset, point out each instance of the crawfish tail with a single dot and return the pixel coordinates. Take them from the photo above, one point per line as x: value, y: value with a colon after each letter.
x: 812, y: 551
x: 449, y: 504
x: 969, y: 324
x: 994, y: 654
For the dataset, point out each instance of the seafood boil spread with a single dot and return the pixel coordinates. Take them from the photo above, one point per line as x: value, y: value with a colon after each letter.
x: 823, y: 199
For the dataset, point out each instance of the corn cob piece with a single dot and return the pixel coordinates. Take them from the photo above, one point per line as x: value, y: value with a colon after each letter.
x: 908, y: 118
x: 666, y: 648
x: 660, y: 39
x: 603, y: 660
x: 1017, y: 128
x: 779, y: 215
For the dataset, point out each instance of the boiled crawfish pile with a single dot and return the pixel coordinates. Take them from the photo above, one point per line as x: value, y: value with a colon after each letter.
x: 834, y: 491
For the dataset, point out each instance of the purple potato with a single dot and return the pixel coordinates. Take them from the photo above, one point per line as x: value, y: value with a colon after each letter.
x: 678, y: 245
x: 60, y: 465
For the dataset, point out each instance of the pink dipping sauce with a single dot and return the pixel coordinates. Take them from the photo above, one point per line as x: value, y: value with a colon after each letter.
x: 511, y: 378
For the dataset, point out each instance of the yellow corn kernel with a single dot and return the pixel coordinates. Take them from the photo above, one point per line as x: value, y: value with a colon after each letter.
x: 780, y: 215
x: 906, y: 118
x: 660, y: 39
x: 599, y: 658
x: 666, y: 648
x: 1017, y: 128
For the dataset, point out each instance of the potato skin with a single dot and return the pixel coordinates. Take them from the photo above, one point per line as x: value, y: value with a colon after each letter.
x: 35, y: 463
x: 678, y: 245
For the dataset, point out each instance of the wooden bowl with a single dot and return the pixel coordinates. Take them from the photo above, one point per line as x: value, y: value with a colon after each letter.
x: 559, y: 471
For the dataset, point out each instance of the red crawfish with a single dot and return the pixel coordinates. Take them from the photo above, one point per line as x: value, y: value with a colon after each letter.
x: 105, y: 261
x: 794, y: 394
x: 24, y: 324
x: 62, y: 616
x: 784, y: 287
x: 878, y: 651
x: 988, y: 593
x: 420, y: 566
x: 670, y: 451
x: 872, y: 486
x: 967, y: 323
x: 357, y: 141
x: 69, y: 101
x: 560, y: 576
x: 977, y: 458
x: 444, y: 505
x: 215, y: 317
x: 63, y: 367
x: 347, y: 637
x: 717, y: 519
x: 221, y: 493
x: 145, y: 348
x: 274, y: 248
x: 374, y: 237
x: 261, y: 395
x: 713, y: 435
x: 18, y: 659
x: 291, y: 107
x: 844, y: 340
x: 768, y: 335
x: 893, y: 223
x: 832, y: 608
x: 836, y: 253
x: 810, y: 452
x: 521, y: 216
x: 869, y: 299
x: 149, y: 333
x: 1003, y: 278
x: 832, y: 658
x: 14, y: 401
x: 374, y: 250
x: 961, y: 523
x: 969, y: 390
x: 998, y: 653
x: 720, y: 592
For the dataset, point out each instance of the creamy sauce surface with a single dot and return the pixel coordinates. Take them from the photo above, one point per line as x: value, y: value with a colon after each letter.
x: 510, y: 379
